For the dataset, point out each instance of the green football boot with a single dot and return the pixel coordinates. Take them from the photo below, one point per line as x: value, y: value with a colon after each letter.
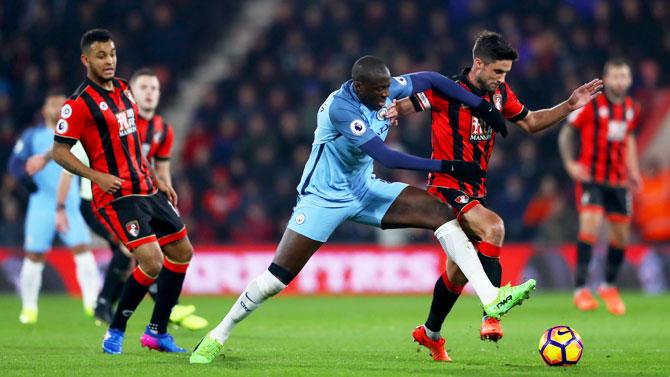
x: 509, y: 297
x: 206, y: 351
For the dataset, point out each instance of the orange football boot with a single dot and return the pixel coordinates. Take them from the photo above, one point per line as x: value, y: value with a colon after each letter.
x: 491, y: 329
x: 612, y: 299
x: 584, y: 300
x: 437, y: 351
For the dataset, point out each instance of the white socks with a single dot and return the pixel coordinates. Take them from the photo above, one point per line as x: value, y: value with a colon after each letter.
x: 260, y: 289
x: 30, y: 282
x: 460, y: 250
x: 88, y: 278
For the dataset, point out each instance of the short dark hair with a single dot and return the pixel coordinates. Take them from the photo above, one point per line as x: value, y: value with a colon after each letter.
x: 92, y: 36
x: 367, y: 68
x: 617, y: 61
x: 491, y: 46
x: 146, y: 71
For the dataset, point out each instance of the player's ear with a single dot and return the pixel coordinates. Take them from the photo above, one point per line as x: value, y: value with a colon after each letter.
x: 84, y: 60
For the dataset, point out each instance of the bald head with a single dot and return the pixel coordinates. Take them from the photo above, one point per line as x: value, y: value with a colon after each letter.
x: 371, y: 81
x: 369, y: 68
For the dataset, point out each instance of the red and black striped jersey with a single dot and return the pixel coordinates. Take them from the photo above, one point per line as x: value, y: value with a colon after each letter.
x: 458, y: 135
x: 157, y: 137
x: 604, y: 127
x: 105, y: 123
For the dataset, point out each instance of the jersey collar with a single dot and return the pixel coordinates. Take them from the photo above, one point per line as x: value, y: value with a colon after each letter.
x: 463, y: 77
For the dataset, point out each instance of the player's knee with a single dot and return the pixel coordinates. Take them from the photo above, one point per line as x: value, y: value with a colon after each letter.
x: 152, y: 265
x: 268, y: 284
x: 494, y: 231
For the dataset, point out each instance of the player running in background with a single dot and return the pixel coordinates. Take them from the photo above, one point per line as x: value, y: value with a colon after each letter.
x: 338, y: 185
x: 460, y: 134
x: 128, y: 198
x: 604, y: 172
x: 31, y: 158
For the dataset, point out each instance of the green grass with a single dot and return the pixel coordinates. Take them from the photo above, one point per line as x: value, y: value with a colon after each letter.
x: 342, y: 336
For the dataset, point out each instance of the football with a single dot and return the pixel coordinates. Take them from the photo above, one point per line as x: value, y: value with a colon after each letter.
x: 560, y: 346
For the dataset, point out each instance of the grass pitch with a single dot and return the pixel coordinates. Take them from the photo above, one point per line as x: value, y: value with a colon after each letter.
x: 342, y: 336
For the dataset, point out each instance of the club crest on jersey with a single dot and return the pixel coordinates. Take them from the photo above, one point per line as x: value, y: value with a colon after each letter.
x: 146, y: 148
x: 463, y: 199
x: 61, y: 126
x: 126, y: 121
x: 479, y: 131
x: 157, y: 137
x: 300, y: 219
x: 497, y: 101
x: 381, y: 113
x: 103, y: 106
x: 357, y: 126
x: 129, y: 95
x: 66, y: 111
x: 133, y: 228
x: 603, y: 112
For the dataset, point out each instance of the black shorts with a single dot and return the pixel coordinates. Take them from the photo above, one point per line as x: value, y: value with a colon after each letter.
x: 459, y: 201
x: 86, y: 209
x: 138, y: 220
x: 614, y: 201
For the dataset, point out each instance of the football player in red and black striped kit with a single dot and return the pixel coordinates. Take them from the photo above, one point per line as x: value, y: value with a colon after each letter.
x: 127, y: 196
x: 459, y: 135
x: 605, y: 171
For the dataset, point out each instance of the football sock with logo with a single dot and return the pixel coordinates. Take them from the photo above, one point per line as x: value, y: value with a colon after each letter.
x: 88, y: 278
x: 133, y: 292
x: 615, y: 256
x: 260, y: 289
x: 30, y: 282
x: 459, y: 248
x: 445, y: 295
x: 169, y: 283
x: 583, y: 260
x: 489, y: 255
x: 115, y: 275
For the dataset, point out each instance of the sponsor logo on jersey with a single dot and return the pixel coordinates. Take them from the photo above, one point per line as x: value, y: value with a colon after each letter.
x: 126, y: 121
x: 497, y: 101
x: 479, y: 131
x: 66, y: 111
x: 300, y: 219
x: 133, y: 228
x: 357, y: 127
x: 616, y: 130
x: 629, y: 114
x: 103, y: 106
x: 61, y: 126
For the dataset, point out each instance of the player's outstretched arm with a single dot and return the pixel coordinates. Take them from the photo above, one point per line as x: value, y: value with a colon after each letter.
x: 392, y: 159
x: 422, y: 81
x: 538, y: 120
x: 64, y: 157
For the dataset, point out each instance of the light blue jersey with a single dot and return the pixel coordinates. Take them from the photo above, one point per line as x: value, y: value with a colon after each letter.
x: 338, y: 183
x: 41, y: 213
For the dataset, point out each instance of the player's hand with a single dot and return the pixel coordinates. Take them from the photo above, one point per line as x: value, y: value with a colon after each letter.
x: 578, y: 172
x: 492, y: 117
x: 635, y: 181
x: 584, y: 94
x: 392, y: 113
x: 168, y: 191
x: 468, y: 172
x: 62, y: 225
x: 35, y: 163
x: 108, y: 183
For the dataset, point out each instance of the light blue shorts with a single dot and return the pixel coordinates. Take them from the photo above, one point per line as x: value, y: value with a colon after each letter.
x: 40, y: 227
x: 317, y: 221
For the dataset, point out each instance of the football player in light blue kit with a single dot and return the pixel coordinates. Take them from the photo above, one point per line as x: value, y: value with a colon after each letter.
x: 338, y: 185
x: 31, y: 159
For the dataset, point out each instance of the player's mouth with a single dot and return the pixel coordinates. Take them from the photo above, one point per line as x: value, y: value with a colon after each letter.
x: 109, y: 71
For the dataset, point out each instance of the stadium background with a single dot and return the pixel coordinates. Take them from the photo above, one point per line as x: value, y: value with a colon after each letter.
x: 242, y: 82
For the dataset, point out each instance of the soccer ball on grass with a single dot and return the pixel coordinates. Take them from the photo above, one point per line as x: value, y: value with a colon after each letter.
x: 560, y: 346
